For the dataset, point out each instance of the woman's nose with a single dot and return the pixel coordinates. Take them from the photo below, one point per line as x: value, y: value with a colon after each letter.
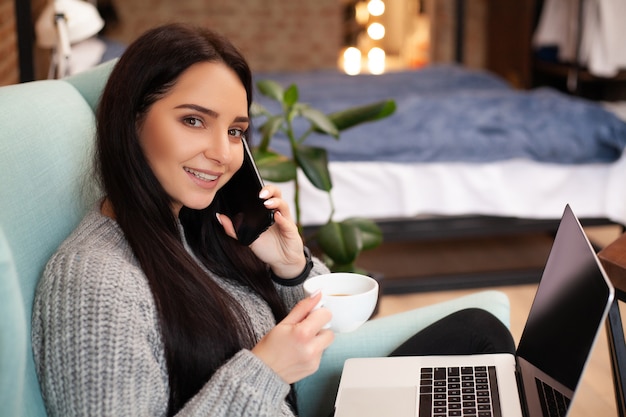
x: 219, y: 149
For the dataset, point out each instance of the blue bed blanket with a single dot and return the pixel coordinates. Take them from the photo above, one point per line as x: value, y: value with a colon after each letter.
x: 449, y: 113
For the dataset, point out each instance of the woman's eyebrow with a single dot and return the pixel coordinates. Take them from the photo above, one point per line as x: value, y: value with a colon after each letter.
x: 198, y: 108
x: 211, y: 113
x: 242, y: 119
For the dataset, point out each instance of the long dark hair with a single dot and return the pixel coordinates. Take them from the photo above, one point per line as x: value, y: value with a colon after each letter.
x: 193, y: 309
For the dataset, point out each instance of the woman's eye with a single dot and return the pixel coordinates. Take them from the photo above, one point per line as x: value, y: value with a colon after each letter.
x: 236, y: 132
x: 192, y: 121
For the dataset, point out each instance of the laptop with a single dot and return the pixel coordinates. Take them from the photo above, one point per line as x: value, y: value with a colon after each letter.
x: 568, y: 311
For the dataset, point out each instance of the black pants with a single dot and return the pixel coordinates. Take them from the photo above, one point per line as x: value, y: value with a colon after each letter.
x: 468, y: 331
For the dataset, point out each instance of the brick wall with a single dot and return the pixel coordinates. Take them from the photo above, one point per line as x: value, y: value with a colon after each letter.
x: 9, y: 63
x: 273, y: 35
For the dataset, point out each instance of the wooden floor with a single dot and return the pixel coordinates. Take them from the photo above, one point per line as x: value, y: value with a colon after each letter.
x: 595, y: 397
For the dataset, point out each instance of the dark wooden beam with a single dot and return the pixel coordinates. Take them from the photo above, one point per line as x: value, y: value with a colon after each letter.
x: 459, y: 34
x: 25, y: 39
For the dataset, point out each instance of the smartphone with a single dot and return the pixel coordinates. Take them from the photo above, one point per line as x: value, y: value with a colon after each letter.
x: 241, y: 202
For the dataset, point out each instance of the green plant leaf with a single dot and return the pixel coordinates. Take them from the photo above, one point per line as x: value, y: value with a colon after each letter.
x: 340, y: 241
x: 269, y: 129
x: 273, y: 166
x: 258, y: 110
x: 271, y: 89
x: 260, y: 155
x: 353, y: 116
x: 291, y: 113
x: 371, y: 235
x: 320, y: 121
x: 314, y: 163
x: 290, y: 97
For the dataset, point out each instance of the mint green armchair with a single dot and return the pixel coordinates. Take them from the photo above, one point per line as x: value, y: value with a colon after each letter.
x: 46, y: 185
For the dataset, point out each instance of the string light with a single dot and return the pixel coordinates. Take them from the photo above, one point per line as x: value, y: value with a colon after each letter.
x: 376, y: 31
x: 367, y: 12
x: 352, y: 61
x: 361, y: 13
x: 376, y: 60
x: 376, y: 7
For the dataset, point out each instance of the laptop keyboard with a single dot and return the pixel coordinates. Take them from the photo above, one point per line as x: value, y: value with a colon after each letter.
x: 553, y: 402
x: 459, y: 391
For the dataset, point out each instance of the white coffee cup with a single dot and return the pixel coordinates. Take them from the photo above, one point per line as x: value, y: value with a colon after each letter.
x: 350, y: 297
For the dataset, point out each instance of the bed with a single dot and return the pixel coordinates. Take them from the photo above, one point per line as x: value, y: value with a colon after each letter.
x: 464, y: 155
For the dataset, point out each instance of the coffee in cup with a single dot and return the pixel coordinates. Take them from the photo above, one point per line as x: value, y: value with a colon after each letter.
x: 350, y: 297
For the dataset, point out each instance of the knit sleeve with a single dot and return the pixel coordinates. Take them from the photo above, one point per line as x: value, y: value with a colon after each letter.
x: 291, y: 295
x: 244, y: 386
x: 95, y: 339
x: 98, y: 349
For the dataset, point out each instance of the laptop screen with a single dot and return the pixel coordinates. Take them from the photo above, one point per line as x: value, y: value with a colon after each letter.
x: 563, y: 324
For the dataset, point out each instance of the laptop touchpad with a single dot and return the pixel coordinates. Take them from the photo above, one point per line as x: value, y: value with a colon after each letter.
x: 378, y: 402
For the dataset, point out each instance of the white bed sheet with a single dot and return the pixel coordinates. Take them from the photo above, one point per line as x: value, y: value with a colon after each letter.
x: 517, y: 188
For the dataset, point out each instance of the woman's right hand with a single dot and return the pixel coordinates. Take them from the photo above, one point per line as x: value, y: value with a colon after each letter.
x: 293, y: 349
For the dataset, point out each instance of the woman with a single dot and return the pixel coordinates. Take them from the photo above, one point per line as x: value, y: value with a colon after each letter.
x: 152, y: 306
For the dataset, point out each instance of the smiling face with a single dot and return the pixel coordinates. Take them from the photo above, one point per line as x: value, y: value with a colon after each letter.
x: 192, y: 136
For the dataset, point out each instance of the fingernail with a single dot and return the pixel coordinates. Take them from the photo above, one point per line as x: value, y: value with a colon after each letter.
x: 217, y: 216
x: 267, y: 202
x: 315, y: 293
x: 264, y: 194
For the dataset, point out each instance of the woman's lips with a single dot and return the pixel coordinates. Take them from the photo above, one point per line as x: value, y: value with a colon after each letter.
x: 202, y: 178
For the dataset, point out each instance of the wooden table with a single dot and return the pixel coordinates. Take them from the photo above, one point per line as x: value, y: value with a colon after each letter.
x: 613, y: 258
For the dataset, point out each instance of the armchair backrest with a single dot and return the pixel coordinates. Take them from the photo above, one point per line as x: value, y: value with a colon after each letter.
x: 46, y: 185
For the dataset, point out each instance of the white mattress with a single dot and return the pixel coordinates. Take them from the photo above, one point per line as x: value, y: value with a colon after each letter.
x: 519, y: 188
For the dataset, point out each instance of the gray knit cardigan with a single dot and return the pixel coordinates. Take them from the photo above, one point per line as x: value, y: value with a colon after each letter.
x: 97, y: 344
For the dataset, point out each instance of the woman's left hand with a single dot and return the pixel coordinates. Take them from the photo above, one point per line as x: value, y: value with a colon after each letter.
x: 281, y: 245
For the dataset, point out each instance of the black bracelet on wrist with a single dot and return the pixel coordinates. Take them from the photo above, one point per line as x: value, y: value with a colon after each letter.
x: 300, y: 278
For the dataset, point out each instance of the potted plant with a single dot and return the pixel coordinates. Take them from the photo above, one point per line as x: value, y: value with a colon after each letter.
x: 338, y: 242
